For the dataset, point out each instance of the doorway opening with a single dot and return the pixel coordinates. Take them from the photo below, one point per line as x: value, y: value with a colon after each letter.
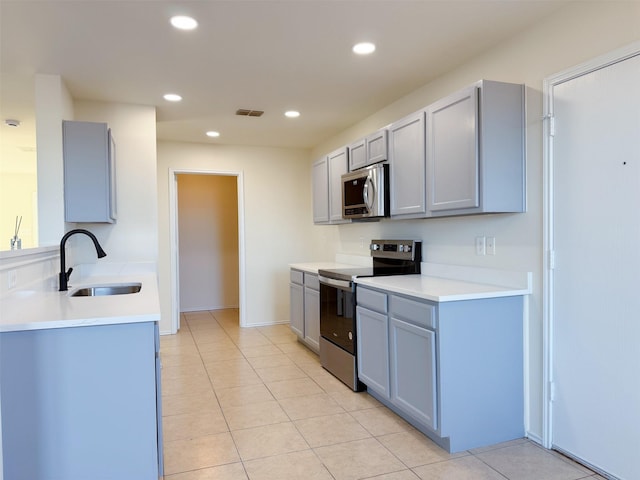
x: 207, y: 242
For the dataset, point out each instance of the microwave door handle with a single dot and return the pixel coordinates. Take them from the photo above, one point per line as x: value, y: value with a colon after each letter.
x: 368, y: 199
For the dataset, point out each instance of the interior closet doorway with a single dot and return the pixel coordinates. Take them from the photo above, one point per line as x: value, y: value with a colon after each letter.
x: 207, y: 245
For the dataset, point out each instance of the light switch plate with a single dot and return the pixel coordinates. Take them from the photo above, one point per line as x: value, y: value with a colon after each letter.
x: 480, y: 245
x: 491, y: 245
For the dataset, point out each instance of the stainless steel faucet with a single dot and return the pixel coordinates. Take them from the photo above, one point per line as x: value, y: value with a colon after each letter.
x: 64, y: 275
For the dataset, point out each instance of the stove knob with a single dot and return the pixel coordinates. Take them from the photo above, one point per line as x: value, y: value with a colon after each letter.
x: 374, y: 247
x: 401, y: 248
x: 407, y: 248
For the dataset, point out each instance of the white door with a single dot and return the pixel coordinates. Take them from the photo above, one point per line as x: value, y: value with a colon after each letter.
x: 595, y: 308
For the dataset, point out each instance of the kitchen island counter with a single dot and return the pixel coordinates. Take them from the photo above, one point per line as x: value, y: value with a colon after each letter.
x: 36, y: 310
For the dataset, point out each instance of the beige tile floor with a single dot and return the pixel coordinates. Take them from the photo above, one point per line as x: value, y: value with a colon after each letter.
x: 253, y: 403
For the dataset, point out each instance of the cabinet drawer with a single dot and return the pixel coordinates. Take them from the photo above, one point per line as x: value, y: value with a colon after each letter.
x: 296, y: 276
x: 371, y: 299
x: 311, y: 281
x: 418, y: 313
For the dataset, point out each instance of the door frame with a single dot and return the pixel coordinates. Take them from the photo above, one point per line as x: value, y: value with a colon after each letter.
x: 549, y: 83
x: 174, y: 240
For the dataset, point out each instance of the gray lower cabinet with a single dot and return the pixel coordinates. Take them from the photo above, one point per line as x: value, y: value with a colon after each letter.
x: 373, y: 360
x: 454, y: 370
x: 413, y: 389
x: 312, y: 311
x: 304, y: 307
x: 82, y: 402
x: 296, y: 302
x: 89, y: 172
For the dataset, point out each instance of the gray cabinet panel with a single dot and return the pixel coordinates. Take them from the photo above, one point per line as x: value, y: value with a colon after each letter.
x: 357, y: 155
x: 377, y: 147
x: 420, y: 313
x: 89, y: 172
x: 369, y: 150
x: 304, y: 307
x: 454, y: 370
x: 296, y: 276
x: 373, y: 350
x: 80, y: 403
x: 296, y: 309
x: 337, y: 166
x: 327, y: 187
x: 312, y: 317
x: 372, y: 299
x: 452, y: 151
x: 475, y: 151
x: 320, y: 189
x: 413, y: 371
x: 407, y: 167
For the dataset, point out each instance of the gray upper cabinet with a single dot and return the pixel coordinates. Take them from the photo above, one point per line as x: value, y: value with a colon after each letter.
x: 475, y: 150
x: 327, y: 187
x: 452, y: 151
x: 407, y: 167
x: 369, y: 150
x: 357, y: 155
x: 337, y: 166
x: 89, y: 172
x: 462, y: 155
x: 320, y: 189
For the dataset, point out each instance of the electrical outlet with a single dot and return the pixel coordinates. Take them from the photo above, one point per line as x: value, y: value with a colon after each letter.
x: 481, y: 247
x: 13, y: 279
x: 491, y: 245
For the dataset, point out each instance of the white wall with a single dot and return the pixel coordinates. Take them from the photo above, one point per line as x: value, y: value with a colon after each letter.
x: 277, y: 219
x: 577, y: 33
x: 134, y: 237
x: 208, y: 238
x: 53, y: 104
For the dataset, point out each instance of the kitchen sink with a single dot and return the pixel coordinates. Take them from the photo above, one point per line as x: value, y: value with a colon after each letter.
x: 104, y: 290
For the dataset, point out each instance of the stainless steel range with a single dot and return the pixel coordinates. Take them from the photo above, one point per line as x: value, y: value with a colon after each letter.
x: 338, y: 333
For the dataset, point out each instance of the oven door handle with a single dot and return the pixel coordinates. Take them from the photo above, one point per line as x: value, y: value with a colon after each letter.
x: 332, y: 282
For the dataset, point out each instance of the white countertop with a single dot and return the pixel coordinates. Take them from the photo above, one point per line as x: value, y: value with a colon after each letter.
x: 38, y: 310
x: 439, y: 289
x: 442, y: 283
x: 313, y: 267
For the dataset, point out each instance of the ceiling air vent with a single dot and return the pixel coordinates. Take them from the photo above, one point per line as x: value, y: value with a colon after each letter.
x: 249, y: 113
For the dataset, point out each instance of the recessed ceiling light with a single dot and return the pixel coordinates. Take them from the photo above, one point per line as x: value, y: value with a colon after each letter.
x: 213, y: 134
x: 292, y: 114
x: 364, y: 48
x: 183, y: 22
x: 172, y: 97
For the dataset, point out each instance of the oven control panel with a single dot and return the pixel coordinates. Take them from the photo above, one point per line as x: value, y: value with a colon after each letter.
x: 403, y: 249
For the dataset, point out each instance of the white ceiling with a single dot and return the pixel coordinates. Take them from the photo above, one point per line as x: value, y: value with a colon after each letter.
x: 263, y: 54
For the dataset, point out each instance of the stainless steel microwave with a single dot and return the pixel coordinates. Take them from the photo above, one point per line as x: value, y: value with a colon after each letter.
x: 365, y: 192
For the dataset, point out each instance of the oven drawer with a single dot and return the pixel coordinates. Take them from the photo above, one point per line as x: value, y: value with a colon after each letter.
x: 419, y: 313
x: 371, y: 299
